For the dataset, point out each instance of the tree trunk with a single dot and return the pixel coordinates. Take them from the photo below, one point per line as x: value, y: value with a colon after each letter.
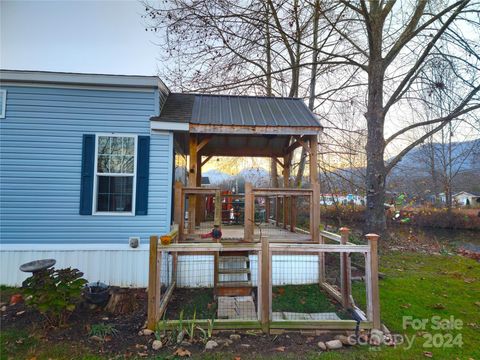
x: 376, y: 171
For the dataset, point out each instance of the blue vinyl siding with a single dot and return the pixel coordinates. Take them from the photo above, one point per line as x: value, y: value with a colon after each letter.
x: 40, y: 160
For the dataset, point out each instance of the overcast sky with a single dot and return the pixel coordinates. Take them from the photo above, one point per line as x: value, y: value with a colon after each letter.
x: 106, y: 36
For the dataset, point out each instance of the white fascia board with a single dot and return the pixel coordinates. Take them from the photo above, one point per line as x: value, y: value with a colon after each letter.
x: 71, y: 247
x: 19, y: 76
x: 169, y: 126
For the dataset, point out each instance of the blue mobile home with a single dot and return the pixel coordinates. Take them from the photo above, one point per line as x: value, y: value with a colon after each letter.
x: 87, y: 164
x: 82, y: 173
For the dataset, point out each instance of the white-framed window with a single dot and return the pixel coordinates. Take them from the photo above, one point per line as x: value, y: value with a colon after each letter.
x: 115, y: 174
x: 3, y: 103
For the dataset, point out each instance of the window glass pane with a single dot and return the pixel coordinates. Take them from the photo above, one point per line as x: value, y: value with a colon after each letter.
x: 116, y: 164
x: 128, y: 164
x: 115, y: 193
x: 103, y: 164
x: 128, y: 146
x: 103, y: 145
x: 116, y: 146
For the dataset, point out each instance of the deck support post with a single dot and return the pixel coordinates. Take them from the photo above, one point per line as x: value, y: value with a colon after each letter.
x: 345, y: 271
x: 192, y: 181
x: 154, y: 283
x: 200, y: 202
x: 265, y: 289
x: 249, y: 212
x: 373, y: 296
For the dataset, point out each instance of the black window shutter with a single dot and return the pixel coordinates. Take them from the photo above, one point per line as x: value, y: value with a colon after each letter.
x: 143, y: 167
x: 88, y: 173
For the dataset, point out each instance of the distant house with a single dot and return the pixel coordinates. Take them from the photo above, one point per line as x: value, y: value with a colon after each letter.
x: 464, y: 198
x: 331, y: 199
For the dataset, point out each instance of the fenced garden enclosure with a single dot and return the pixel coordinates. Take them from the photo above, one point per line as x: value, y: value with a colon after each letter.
x: 262, y: 274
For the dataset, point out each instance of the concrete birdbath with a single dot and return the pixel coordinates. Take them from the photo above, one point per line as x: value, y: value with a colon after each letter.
x: 37, y: 265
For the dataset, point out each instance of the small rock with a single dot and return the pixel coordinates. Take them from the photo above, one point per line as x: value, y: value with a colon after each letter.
x: 105, y: 318
x: 145, y: 332
x: 185, y: 343
x: 210, y: 345
x: 344, y: 339
x: 334, y: 344
x: 92, y: 306
x: 376, y: 337
x: 321, y: 345
x: 245, y: 345
x: 20, y: 313
x: 3, y: 308
x: 96, y: 338
x: 235, y: 337
x: 156, y: 345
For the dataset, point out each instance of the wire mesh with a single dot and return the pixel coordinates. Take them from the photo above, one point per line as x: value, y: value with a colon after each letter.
x: 204, y: 292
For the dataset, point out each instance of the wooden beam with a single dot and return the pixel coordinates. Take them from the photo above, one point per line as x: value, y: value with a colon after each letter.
x: 166, y: 299
x: 154, y: 285
x: 302, y: 141
x: 249, y: 212
x: 219, y: 324
x: 263, y: 130
x: 319, y: 324
x: 203, y: 142
x: 206, y: 160
x: 277, y: 160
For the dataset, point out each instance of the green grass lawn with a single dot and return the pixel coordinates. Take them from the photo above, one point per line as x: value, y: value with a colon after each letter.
x: 416, y: 285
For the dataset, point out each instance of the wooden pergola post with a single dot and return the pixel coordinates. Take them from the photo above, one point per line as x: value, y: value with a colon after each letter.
x: 200, y: 202
x: 315, y: 213
x: 286, y: 184
x: 249, y: 212
x: 179, y: 209
x: 192, y: 181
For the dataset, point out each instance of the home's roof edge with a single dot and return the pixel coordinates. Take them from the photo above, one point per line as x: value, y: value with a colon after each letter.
x: 82, y: 79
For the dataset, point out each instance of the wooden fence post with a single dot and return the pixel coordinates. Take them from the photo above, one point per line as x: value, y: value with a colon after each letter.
x: 249, y: 212
x: 217, y: 218
x: 373, y: 305
x: 345, y: 271
x: 154, y: 283
x: 265, y: 285
x: 179, y: 209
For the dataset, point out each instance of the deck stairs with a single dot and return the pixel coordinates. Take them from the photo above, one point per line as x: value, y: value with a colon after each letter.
x: 233, y: 275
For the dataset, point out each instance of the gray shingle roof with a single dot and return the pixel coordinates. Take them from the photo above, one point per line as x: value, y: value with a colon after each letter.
x: 236, y: 110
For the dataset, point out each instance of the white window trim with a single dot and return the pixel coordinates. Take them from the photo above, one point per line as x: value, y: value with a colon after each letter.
x: 134, y: 185
x: 3, y: 94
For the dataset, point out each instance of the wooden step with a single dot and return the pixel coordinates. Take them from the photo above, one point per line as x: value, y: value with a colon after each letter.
x: 234, y: 271
x: 235, y: 284
x: 234, y: 258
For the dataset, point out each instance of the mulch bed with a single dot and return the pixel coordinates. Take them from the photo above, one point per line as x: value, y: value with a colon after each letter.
x: 128, y: 343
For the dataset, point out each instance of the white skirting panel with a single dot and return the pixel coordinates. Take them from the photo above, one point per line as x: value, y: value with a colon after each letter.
x: 129, y: 267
